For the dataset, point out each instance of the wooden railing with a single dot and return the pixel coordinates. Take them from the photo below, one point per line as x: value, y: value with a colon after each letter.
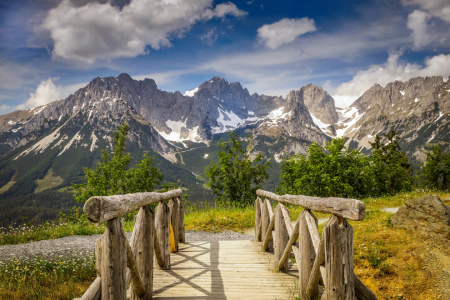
x: 159, y: 234
x: 329, y: 256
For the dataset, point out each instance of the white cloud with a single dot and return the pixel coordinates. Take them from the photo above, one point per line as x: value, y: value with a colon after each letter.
x: 437, y: 8
x: 284, y: 31
x: 209, y: 37
x: 46, y: 92
x: 417, y: 22
x: 393, y: 69
x: 98, y: 31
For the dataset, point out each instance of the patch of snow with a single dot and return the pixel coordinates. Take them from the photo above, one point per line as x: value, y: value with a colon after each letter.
x: 274, y: 114
x: 448, y: 90
x: 370, y: 136
x: 190, y: 93
x: 205, y: 156
x: 11, y: 122
x: 39, y: 109
x: 76, y: 137
x: 90, y: 113
x: 402, y: 92
x: 351, y: 116
x: 211, y: 81
x: 226, y: 121
x: 250, y: 113
x: 432, y: 137
x: 416, y: 100
x: 323, y: 126
x: 175, y: 134
x: 15, y: 130
x: 440, y: 116
x: 94, y: 140
x: 60, y: 117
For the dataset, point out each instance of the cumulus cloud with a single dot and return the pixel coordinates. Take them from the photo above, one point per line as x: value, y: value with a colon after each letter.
x: 393, y: 69
x: 284, y: 31
x: 417, y: 22
x: 97, y: 31
x: 437, y: 8
x: 46, y: 92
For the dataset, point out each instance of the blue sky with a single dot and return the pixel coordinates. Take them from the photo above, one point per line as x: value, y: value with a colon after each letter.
x: 50, y: 48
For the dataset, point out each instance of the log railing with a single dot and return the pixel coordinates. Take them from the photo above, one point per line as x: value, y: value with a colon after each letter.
x: 117, y: 261
x: 329, y: 256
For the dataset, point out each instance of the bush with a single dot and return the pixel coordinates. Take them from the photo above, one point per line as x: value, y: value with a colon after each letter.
x: 435, y: 174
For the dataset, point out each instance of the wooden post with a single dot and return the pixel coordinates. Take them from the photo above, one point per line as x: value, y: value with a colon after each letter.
x: 266, y: 211
x: 93, y: 292
x: 181, y: 231
x: 308, y: 255
x: 162, y: 236
x: 112, y: 264
x: 281, y: 238
x: 174, y: 220
x: 338, y: 243
x: 258, y: 235
x: 142, y: 247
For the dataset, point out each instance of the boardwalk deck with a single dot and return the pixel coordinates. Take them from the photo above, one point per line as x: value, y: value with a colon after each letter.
x: 223, y: 270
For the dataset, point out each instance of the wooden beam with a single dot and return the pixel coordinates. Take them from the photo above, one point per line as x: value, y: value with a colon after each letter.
x: 138, y: 289
x: 308, y: 254
x: 352, y: 209
x: 362, y: 292
x: 174, y: 220
x: 312, y: 290
x: 287, y: 251
x: 93, y: 292
x: 287, y: 220
x: 258, y: 205
x: 103, y: 208
x: 181, y: 229
x: 338, y: 243
x: 281, y: 239
x: 162, y: 236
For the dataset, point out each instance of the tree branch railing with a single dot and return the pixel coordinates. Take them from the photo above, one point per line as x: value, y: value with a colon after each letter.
x: 329, y: 256
x: 119, y: 262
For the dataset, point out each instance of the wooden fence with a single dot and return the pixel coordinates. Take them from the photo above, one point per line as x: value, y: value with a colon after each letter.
x: 151, y: 234
x: 329, y: 257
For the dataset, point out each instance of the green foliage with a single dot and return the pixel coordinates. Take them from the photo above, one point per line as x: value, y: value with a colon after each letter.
x: 390, y: 170
x: 236, y: 177
x: 435, y: 174
x: 113, y: 177
x: 339, y: 172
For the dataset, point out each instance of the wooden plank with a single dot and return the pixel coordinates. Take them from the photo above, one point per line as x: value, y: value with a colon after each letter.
x: 352, y: 209
x: 162, y: 236
x: 258, y: 204
x: 338, y: 242
x: 267, y: 224
x: 312, y: 290
x: 113, y: 266
x: 103, y: 208
x: 174, y: 220
x: 138, y: 290
x: 142, y: 249
x: 287, y: 251
x: 287, y: 220
x: 311, y: 220
x: 281, y: 239
x: 181, y: 229
x: 308, y: 254
x: 362, y: 292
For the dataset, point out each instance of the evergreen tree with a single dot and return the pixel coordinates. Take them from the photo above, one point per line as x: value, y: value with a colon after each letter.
x: 435, y: 174
x: 236, y: 177
x: 113, y: 177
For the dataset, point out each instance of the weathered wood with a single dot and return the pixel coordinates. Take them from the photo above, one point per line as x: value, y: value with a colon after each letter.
x: 113, y: 266
x: 181, y: 230
x: 308, y: 254
x: 287, y: 251
x: 142, y: 248
x: 338, y: 243
x: 312, y: 290
x: 266, y: 220
x: 347, y: 208
x: 162, y: 236
x: 138, y: 289
x: 93, y: 292
x: 258, y: 205
x: 281, y: 238
x: 287, y: 220
x: 362, y: 292
x: 103, y: 208
x: 174, y: 220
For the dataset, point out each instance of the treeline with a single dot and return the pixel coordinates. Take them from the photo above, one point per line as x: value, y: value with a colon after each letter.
x: 338, y: 172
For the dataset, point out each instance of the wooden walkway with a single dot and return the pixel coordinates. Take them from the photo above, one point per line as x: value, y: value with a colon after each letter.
x: 223, y: 270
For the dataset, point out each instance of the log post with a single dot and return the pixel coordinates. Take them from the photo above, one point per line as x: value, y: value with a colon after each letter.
x: 112, y: 265
x: 281, y: 238
x: 266, y: 212
x: 181, y: 231
x: 142, y: 247
x: 258, y: 235
x: 93, y: 292
x: 162, y: 236
x: 338, y: 243
x: 308, y: 255
x: 174, y: 220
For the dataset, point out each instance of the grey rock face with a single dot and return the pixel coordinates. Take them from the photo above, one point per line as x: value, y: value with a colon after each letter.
x: 427, y: 216
x: 320, y: 103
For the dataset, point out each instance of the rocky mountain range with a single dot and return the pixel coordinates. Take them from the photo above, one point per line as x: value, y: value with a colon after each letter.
x: 43, y: 150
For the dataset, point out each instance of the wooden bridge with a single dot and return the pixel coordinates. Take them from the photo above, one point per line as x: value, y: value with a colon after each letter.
x: 323, y: 267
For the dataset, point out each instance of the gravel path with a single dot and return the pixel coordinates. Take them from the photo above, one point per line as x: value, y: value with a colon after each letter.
x: 83, y: 244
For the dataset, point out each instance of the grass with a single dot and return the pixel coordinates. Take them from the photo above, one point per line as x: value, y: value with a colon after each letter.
x: 391, y: 262
x: 48, y: 181
x: 7, y: 186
